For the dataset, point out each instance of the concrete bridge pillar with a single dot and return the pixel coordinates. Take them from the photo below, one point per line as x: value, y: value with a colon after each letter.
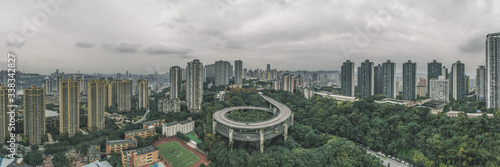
x: 214, y: 123
x: 292, y: 119
x: 231, y: 131
x: 274, y: 111
x: 286, y: 130
x: 261, y: 140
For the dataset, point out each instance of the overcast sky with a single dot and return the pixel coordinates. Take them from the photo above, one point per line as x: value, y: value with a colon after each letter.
x: 110, y: 36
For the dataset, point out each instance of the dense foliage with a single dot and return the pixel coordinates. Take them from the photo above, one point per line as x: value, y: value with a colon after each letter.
x: 410, y: 133
x: 305, y: 146
x: 249, y: 116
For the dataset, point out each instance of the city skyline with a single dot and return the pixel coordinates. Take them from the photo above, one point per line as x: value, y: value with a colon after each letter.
x: 281, y: 34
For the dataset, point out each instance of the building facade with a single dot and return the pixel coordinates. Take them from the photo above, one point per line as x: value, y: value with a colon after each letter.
x: 481, y: 80
x: 458, y: 81
x: 238, y: 72
x: 366, y: 79
x: 69, y: 107
x: 143, y: 133
x: 119, y: 145
x: 49, y: 83
x: 194, y: 93
x: 440, y: 89
x: 493, y: 70
x: 171, y: 128
x: 142, y: 86
x: 34, y: 114
x: 175, y: 82
x: 139, y: 157
x: 120, y: 94
x: 434, y: 69
x: 409, y: 80
x: 288, y: 82
x: 222, y: 72
x: 388, y: 81
x: 96, y: 104
x: 347, y: 78
x: 4, y: 116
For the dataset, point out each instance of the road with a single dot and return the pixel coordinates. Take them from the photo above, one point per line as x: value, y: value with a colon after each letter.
x: 394, y: 163
x: 143, y: 118
x: 283, y: 115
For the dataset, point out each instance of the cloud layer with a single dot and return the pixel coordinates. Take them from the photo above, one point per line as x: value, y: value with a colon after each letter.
x: 289, y: 34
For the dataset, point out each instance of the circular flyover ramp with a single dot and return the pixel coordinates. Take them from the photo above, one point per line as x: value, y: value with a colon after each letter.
x: 271, y: 127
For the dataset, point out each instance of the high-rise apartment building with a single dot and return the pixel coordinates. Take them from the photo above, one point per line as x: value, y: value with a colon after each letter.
x: 288, y: 82
x: 434, y: 69
x: 439, y: 89
x: 96, y: 98
x: 377, y: 79
x: 222, y: 72
x: 175, y: 82
x: 4, y: 117
x: 120, y: 94
x: 238, y: 72
x: 481, y: 80
x: 409, y: 80
x: 347, y: 78
x: 366, y: 79
x: 69, y: 108
x: 59, y: 79
x: 49, y: 83
x: 34, y: 114
x: 388, y: 80
x: 142, y: 85
x: 493, y: 70
x: 457, y: 83
x: 194, y: 86
x: 268, y: 67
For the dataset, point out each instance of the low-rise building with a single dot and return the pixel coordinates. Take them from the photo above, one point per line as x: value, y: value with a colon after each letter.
x: 119, y: 145
x: 143, y: 133
x: 94, y: 153
x: 171, y: 128
x: 139, y: 156
x: 152, y: 124
x: 98, y: 164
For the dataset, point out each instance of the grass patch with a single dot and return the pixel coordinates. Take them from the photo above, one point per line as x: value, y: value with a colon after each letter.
x: 177, y: 155
x: 193, y: 137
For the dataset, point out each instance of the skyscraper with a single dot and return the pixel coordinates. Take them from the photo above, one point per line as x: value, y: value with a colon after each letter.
x: 439, y: 89
x: 120, y: 94
x: 59, y: 79
x: 347, y: 74
x: 458, y: 81
x: 388, y: 80
x: 4, y: 117
x: 481, y: 88
x: 434, y: 69
x: 409, y: 80
x: 209, y: 71
x: 194, y: 93
x: 288, y: 82
x: 175, y: 82
x: 238, y: 72
x: 493, y: 70
x: 69, y: 108
x: 222, y: 72
x: 96, y: 91
x: 142, y: 85
x: 366, y: 79
x: 377, y: 77
x: 268, y: 67
x: 34, y: 114
x: 49, y: 83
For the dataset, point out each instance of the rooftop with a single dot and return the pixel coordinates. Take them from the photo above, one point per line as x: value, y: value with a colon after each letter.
x: 151, y: 122
x: 125, y: 141
x: 138, y: 130
x: 141, y: 151
x: 176, y: 122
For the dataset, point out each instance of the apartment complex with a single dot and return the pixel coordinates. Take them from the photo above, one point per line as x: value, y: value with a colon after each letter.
x: 96, y: 97
x: 143, y: 133
x: 171, y: 128
x: 119, y: 145
x: 142, y: 86
x: 69, y: 107
x: 138, y: 157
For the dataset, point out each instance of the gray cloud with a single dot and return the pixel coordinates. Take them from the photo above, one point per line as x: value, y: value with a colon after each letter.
x: 123, y: 46
x: 163, y: 48
x: 83, y: 44
x: 290, y: 34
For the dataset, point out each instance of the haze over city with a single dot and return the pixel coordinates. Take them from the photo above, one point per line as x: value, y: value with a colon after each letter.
x: 115, y: 36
